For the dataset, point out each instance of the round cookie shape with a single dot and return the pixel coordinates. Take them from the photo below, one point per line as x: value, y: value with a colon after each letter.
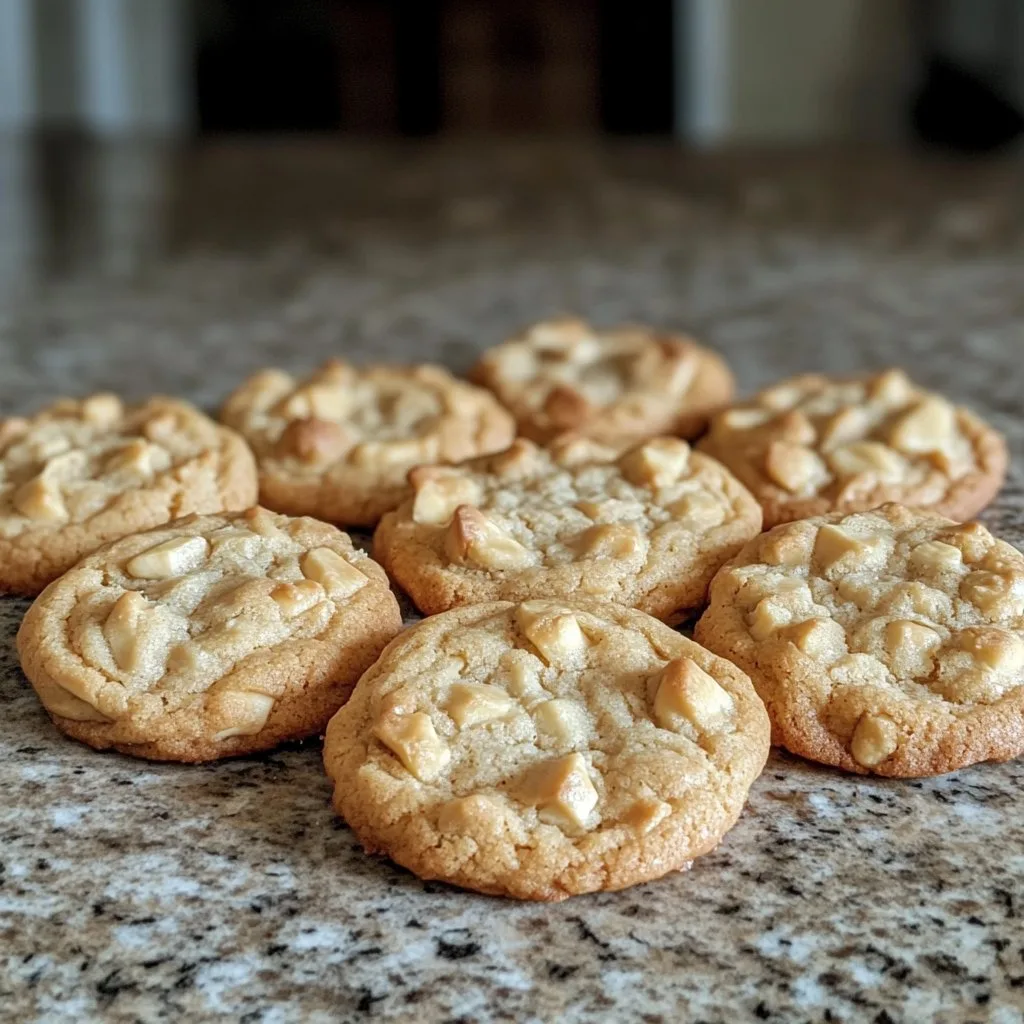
x: 814, y: 444
x: 543, y: 750
x: 210, y: 637
x: 621, y: 384
x: 81, y: 473
x: 647, y: 527
x: 338, y: 444
x: 889, y: 641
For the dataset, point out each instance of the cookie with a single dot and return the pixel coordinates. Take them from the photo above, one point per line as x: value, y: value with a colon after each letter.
x: 338, y: 444
x: 81, y: 473
x: 647, y: 528
x: 889, y: 641
x: 209, y: 637
x: 813, y: 445
x: 542, y: 750
x: 626, y: 383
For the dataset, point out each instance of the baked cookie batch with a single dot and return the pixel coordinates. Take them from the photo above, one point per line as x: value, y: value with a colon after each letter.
x: 544, y: 731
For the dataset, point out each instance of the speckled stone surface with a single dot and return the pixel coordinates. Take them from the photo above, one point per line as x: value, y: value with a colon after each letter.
x: 141, y: 892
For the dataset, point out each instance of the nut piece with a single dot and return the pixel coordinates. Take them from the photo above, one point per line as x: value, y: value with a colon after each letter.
x: 337, y: 576
x: 868, y: 457
x: 561, y: 791
x: 464, y: 814
x: 565, y: 721
x: 121, y: 629
x: 835, y: 548
x: 928, y: 427
x: 844, y: 427
x: 473, y: 703
x: 934, y: 556
x: 686, y: 691
x: 439, y: 494
x: 909, y: 646
x: 40, y: 499
x: 821, y: 639
x: 173, y: 557
x: 473, y: 539
x: 646, y: 815
x: 794, y: 467
x: 893, y: 387
x: 103, y: 410
x: 658, y: 463
x: 295, y: 598
x: 997, y: 649
x: 874, y: 739
x: 610, y: 540
x: 553, y: 630
x: 415, y: 742
x: 315, y: 441
x: 566, y: 407
x: 796, y: 428
x: 248, y: 712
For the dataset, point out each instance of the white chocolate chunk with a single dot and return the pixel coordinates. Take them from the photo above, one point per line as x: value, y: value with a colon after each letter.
x: 611, y: 540
x: 794, y: 467
x: 564, y: 721
x: 335, y: 574
x: 473, y: 703
x: 464, y: 815
x: 474, y: 539
x: 686, y: 691
x: 40, y: 499
x: 646, y: 815
x: 248, y: 712
x: 173, y: 557
x: 561, y: 791
x: 413, y: 739
x: 874, y: 739
x: 928, y: 427
x: 891, y: 388
x: 658, y: 463
x: 743, y: 419
x: 295, y: 598
x: 103, y: 410
x: 821, y: 639
x: 121, y: 629
x: 997, y: 649
x: 935, y: 556
x: 868, y: 458
x: 138, y: 456
x: 554, y: 631
x: 835, y: 547
x: 909, y: 646
x: 438, y: 496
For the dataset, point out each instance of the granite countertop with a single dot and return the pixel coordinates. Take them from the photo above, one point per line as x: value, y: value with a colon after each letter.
x: 135, y: 891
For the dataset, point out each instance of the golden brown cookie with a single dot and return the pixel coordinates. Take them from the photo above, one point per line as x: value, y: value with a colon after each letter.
x: 542, y: 750
x: 889, y: 641
x: 614, y: 385
x: 338, y: 444
x: 647, y: 528
x: 815, y: 444
x: 81, y: 473
x: 209, y: 637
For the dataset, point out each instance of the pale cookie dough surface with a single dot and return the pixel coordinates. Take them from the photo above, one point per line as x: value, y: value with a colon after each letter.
x: 618, y: 384
x: 544, y: 749
x: 889, y: 641
x: 816, y: 444
x: 210, y: 637
x: 83, y: 472
x: 338, y: 444
x: 647, y: 527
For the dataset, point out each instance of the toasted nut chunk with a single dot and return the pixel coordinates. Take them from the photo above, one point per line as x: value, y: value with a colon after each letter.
x: 413, y: 739
x: 998, y: 649
x: 742, y: 419
x: 102, y: 410
x: 463, y: 814
x: 846, y: 426
x: 646, y: 815
x: 248, y: 712
x: 909, y: 646
x: 686, y: 691
x: 295, y: 598
x: 438, y: 496
x: 565, y: 721
x: 611, y: 540
x: 658, y: 463
x: 315, y: 441
x: 927, y: 427
x: 566, y: 407
x: 472, y: 703
x: 794, y: 467
x: 891, y: 388
x: 821, y: 639
x: 173, y: 557
x: 874, y: 739
x: 698, y: 511
x: 835, y: 547
x: 991, y: 592
x: 40, y: 499
x: 121, y: 629
x: 561, y: 791
x: 591, y: 509
x: 796, y: 428
x: 868, y: 457
x: 934, y: 556
x: 474, y: 539
x: 554, y: 631
x: 337, y: 576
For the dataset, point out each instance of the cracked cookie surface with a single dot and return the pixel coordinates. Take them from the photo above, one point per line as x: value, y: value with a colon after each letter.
x: 814, y: 444
x: 889, y: 641
x: 338, y: 444
x: 544, y: 749
x: 619, y: 384
x: 83, y: 472
x: 209, y: 637
x: 648, y: 527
